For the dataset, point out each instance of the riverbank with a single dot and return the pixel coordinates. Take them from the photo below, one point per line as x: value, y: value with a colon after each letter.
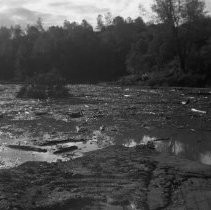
x: 165, y: 79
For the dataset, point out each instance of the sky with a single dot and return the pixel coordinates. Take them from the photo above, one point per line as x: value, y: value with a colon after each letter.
x: 54, y: 12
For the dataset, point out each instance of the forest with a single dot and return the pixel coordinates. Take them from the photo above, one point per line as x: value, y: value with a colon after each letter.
x: 173, y: 48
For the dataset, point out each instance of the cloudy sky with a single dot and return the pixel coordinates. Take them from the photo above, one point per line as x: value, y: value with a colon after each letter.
x: 54, y: 12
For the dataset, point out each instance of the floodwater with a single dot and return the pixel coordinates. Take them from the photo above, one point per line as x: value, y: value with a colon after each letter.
x: 177, y: 121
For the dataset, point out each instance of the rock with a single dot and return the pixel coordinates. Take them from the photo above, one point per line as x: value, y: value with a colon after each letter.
x: 102, y: 128
x: 186, y: 102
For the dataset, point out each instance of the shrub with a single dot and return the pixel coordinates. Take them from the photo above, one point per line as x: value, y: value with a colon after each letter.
x: 43, y: 86
x: 169, y: 78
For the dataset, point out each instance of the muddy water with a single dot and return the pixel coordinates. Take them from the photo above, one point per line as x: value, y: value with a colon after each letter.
x: 178, y: 121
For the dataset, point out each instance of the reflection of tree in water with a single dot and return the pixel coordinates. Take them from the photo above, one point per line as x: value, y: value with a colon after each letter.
x: 190, y: 146
x: 205, y: 158
x: 177, y: 147
x: 189, y: 150
x: 186, y: 149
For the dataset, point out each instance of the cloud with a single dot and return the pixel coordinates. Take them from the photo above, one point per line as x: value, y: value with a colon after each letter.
x: 20, y: 16
x: 54, y: 12
x: 79, y: 8
x: 208, y: 6
x: 13, y: 3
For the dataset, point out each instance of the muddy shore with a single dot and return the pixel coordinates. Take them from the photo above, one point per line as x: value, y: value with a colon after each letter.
x: 39, y: 141
x: 113, y: 178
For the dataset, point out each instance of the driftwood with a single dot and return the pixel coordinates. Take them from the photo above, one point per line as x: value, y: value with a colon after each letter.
x: 27, y: 148
x: 65, y: 149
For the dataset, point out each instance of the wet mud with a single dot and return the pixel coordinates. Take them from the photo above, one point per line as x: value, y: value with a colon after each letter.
x: 113, y: 178
x: 99, y: 116
x: 107, y: 147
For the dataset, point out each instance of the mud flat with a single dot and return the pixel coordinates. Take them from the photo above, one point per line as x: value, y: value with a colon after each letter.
x: 112, y: 178
x: 148, y: 146
x: 178, y: 120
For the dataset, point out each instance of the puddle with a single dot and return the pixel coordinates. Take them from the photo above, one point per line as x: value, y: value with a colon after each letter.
x: 185, y: 144
x: 11, y: 158
x: 205, y: 158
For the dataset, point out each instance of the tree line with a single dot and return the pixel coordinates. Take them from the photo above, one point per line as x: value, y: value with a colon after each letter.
x: 174, y: 48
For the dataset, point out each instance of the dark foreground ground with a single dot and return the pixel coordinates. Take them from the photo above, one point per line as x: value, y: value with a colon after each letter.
x: 114, y: 178
x: 148, y: 149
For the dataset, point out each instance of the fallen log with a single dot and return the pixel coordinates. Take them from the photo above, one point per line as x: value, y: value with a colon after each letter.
x: 65, y: 149
x: 26, y: 148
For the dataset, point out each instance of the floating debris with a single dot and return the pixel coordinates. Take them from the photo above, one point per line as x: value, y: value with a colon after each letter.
x: 199, y: 111
x: 127, y: 96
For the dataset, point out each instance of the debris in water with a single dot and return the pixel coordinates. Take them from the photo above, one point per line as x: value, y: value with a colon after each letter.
x: 198, y: 111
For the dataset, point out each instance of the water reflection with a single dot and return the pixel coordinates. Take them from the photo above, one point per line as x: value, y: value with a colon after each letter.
x: 171, y: 146
x: 177, y: 147
x: 187, y: 146
x: 206, y: 158
x: 11, y: 158
x: 131, y: 143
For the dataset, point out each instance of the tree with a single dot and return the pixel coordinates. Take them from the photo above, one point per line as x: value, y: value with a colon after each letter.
x: 86, y: 25
x: 174, y: 13
x: 108, y: 19
x: 100, y: 23
x: 177, y: 44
